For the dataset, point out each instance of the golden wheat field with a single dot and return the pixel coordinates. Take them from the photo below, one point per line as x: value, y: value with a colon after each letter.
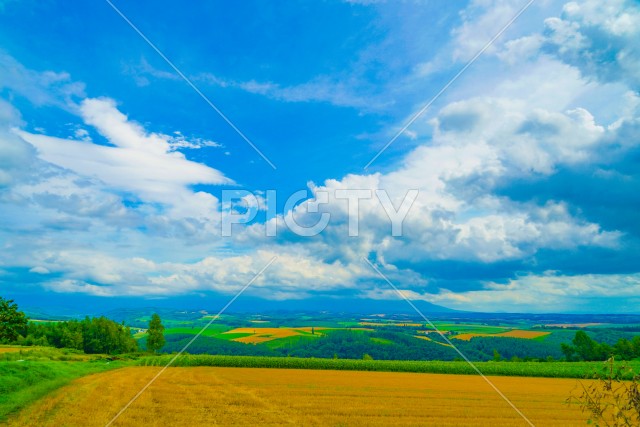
x: 13, y: 349
x: 270, y: 397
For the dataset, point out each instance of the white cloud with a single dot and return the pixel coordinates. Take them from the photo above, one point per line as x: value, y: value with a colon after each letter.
x: 481, y: 21
x: 178, y: 141
x: 293, y: 274
x: 138, y: 162
x: 514, y: 122
x: 39, y: 270
x: 477, y: 145
x: 15, y: 154
x: 600, y: 38
x: 41, y: 88
x: 550, y: 292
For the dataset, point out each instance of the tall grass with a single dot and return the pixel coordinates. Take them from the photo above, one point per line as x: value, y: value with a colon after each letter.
x: 525, y: 369
x: 29, y: 374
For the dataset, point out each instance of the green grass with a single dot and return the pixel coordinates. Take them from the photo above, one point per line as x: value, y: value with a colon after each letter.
x: 209, y: 332
x: 28, y: 375
x: 233, y: 336
x: 382, y: 341
x: 524, y: 369
x: 289, y: 341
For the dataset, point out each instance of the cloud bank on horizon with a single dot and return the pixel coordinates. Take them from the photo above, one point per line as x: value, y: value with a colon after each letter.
x: 527, y: 169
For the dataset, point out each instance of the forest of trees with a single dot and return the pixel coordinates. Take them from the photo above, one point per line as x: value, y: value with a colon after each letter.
x: 91, y: 335
x: 583, y: 347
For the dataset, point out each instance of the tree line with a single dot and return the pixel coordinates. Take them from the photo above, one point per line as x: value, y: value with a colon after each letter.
x: 97, y: 335
x: 583, y: 347
x: 91, y: 335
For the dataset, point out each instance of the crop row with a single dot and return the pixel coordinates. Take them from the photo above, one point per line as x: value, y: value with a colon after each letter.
x: 524, y: 369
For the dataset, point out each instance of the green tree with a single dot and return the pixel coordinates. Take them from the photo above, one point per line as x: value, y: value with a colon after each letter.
x: 586, y: 348
x: 155, y: 334
x: 624, y: 349
x: 635, y: 342
x: 569, y: 352
x: 12, y: 321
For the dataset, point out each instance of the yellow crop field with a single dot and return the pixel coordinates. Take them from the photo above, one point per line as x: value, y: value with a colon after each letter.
x: 523, y: 334
x: 422, y: 337
x: 516, y: 333
x: 274, y: 397
x: 14, y: 349
x: 260, y: 335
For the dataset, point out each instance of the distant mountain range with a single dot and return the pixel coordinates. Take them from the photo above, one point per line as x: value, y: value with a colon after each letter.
x: 79, y: 306
x: 69, y: 306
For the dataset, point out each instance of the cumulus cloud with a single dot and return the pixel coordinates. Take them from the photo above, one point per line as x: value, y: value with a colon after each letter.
x: 550, y: 292
x: 600, y: 38
x: 293, y: 275
x: 481, y: 20
x: 518, y: 126
x: 478, y: 145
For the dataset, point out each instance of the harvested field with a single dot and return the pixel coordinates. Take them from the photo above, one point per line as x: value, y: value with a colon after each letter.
x: 270, y: 397
x: 260, y: 335
x: 516, y: 333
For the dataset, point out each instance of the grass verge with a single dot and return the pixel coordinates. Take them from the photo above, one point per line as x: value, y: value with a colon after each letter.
x: 29, y: 374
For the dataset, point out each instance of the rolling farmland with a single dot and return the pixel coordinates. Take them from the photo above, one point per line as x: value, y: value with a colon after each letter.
x: 249, y: 396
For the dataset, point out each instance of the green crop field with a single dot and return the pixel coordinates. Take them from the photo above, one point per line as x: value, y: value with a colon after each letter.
x: 210, y: 331
x: 525, y: 369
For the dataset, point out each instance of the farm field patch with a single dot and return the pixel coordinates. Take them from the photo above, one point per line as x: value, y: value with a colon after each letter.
x: 422, y: 337
x: 249, y: 396
x: 471, y: 328
x: 13, y: 349
x: 574, y: 325
x: 260, y: 335
x: 510, y: 334
x: 410, y: 325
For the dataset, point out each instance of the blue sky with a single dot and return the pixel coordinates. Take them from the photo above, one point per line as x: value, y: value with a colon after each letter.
x: 113, y: 169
